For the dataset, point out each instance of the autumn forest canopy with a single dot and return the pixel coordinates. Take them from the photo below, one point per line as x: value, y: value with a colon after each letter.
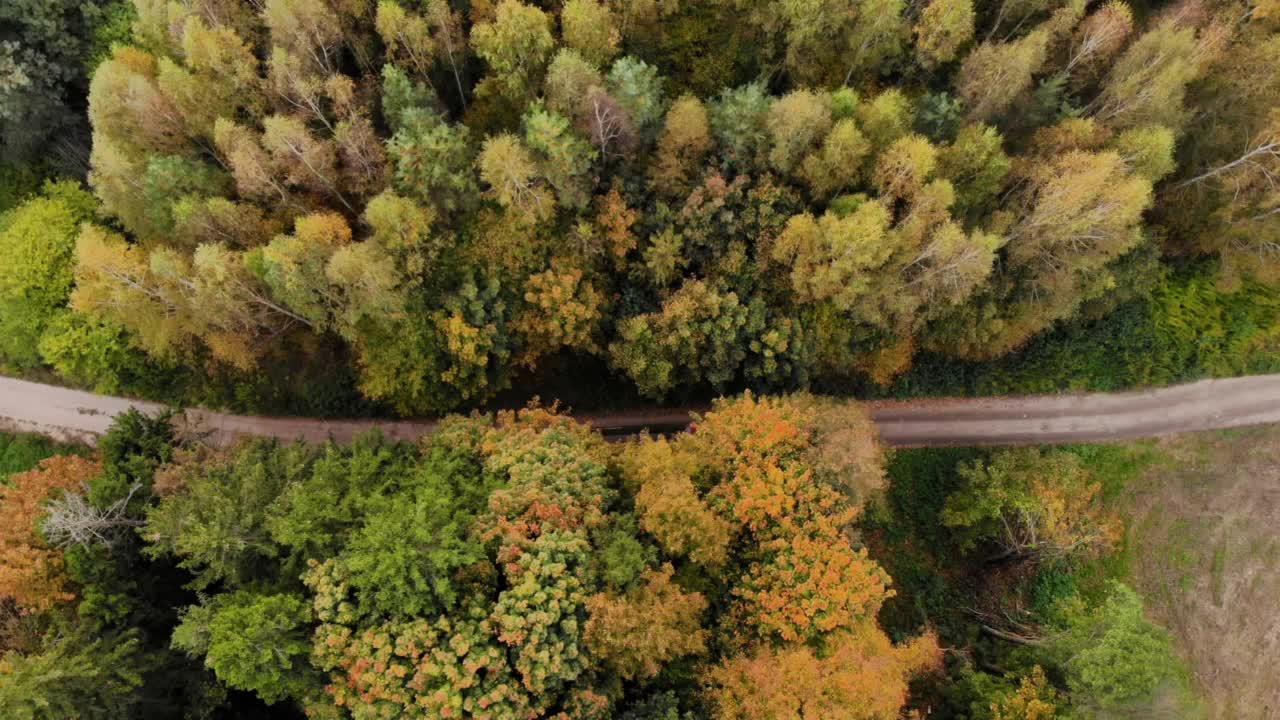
x: 406, y: 207
x: 521, y: 568
x: 415, y: 207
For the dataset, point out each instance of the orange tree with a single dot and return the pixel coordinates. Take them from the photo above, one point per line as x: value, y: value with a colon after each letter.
x: 31, y: 572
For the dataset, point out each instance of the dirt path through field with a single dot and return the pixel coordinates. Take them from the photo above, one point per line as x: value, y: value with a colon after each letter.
x: 931, y: 422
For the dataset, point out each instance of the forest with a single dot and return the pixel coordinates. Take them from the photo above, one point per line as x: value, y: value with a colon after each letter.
x: 382, y: 208
x: 341, y: 207
x: 771, y: 563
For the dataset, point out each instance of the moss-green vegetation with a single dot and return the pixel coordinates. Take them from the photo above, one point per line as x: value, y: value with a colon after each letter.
x: 21, y: 452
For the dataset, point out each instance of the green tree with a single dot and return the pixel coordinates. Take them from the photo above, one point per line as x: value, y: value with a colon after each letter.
x: 976, y: 165
x: 215, y: 521
x: 96, y: 353
x: 541, y: 615
x: 739, y: 121
x: 72, y: 676
x: 516, y: 45
x: 401, y: 561
x: 37, y: 265
x: 47, y: 54
x: 565, y: 158
x: 1117, y: 662
x: 699, y: 335
x: 257, y: 643
x: 637, y: 88
x: 433, y: 162
x: 315, y: 516
x: 433, y: 358
x: 1032, y: 503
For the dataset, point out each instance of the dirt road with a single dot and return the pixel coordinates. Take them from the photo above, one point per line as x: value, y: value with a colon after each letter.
x: 73, y: 415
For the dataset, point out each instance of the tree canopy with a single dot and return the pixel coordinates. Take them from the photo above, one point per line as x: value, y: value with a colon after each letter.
x: 446, y: 200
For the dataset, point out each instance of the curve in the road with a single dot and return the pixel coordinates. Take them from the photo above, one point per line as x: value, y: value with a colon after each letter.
x: 67, y: 414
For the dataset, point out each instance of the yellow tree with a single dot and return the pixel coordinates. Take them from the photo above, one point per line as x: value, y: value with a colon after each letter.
x: 684, y: 141
x: 509, y: 170
x: 638, y: 632
x: 1082, y: 210
x: 797, y: 123
x: 837, y: 165
x: 589, y: 27
x: 1077, y: 213
x: 1099, y: 37
x: 995, y: 73
x: 293, y: 266
x: 811, y: 582
x: 407, y: 36
x: 1223, y: 201
x: 563, y: 310
x: 943, y: 28
x: 1147, y: 84
x: 669, y: 505
x: 1034, y: 699
x: 219, y: 77
x: 846, y: 260
x: 903, y: 168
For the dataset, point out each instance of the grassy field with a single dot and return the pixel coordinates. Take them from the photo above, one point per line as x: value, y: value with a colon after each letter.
x: 1204, y: 549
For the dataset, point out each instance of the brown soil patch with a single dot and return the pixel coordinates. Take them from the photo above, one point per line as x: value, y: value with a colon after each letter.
x: 1204, y: 542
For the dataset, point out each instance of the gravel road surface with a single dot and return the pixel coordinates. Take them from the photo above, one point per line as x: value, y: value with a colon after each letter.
x: 930, y: 422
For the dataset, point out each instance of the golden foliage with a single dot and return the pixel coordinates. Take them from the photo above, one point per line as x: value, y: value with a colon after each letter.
x: 652, y: 624
x: 31, y: 572
x: 669, y: 506
x: 864, y: 677
x: 1035, y: 699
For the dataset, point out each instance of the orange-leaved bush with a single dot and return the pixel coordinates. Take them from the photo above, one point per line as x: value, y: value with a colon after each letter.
x: 31, y: 572
x: 864, y: 676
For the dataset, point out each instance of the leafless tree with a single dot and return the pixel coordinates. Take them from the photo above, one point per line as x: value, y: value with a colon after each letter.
x: 608, y: 124
x: 73, y: 520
